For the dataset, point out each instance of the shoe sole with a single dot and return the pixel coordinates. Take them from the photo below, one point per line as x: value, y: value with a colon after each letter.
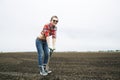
x: 49, y: 72
x: 43, y: 74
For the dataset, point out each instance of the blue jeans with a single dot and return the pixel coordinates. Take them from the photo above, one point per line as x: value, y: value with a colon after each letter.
x: 42, y: 47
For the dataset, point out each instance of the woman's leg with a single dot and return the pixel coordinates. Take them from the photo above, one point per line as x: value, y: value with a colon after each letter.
x: 39, y: 51
x: 46, y: 58
x: 46, y: 53
x: 39, y: 46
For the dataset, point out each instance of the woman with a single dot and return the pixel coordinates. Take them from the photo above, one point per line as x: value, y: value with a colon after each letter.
x: 43, y: 44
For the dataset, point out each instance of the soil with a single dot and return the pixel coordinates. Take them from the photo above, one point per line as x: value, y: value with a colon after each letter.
x: 64, y: 66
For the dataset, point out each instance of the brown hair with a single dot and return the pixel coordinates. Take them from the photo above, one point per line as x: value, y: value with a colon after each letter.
x: 53, y: 17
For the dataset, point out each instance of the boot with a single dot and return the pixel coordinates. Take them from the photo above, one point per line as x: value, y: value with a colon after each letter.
x: 42, y: 71
x: 46, y: 68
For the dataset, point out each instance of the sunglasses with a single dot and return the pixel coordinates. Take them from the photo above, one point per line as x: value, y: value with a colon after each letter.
x: 56, y: 21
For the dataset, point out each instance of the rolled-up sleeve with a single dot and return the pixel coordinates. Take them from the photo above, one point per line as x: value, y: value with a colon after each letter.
x: 46, y: 30
x: 54, y: 34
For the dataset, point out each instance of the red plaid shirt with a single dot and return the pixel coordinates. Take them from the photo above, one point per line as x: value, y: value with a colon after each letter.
x: 49, y: 30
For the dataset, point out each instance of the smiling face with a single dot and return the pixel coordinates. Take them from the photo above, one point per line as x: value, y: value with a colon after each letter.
x: 54, y: 20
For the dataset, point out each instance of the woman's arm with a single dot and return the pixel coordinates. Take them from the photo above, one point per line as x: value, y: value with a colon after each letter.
x: 48, y: 41
x: 53, y: 43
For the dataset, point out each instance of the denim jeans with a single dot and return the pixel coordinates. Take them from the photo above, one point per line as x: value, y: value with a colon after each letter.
x: 43, y: 52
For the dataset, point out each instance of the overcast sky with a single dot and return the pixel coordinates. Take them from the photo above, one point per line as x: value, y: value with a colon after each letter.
x: 84, y: 25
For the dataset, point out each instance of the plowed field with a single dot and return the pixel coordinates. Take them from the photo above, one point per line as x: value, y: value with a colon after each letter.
x: 64, y: 66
